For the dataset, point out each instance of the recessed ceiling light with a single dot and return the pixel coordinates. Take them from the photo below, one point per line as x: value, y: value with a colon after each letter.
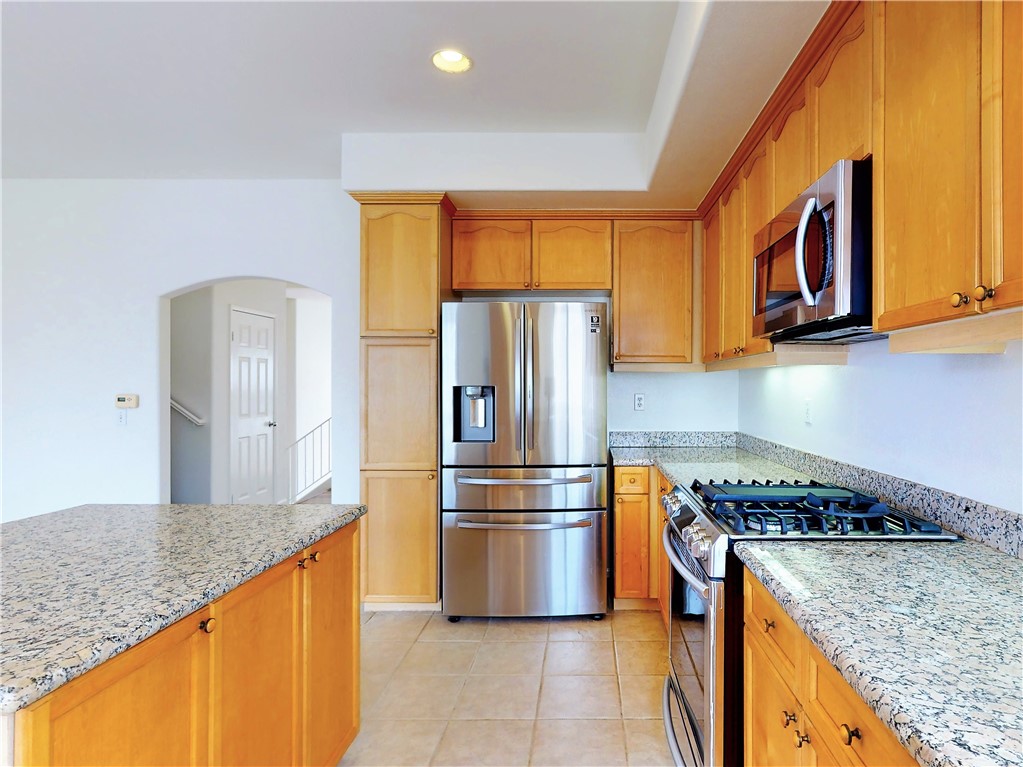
x: 451, y: 61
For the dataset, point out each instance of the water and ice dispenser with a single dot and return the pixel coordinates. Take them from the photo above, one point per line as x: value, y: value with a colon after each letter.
x: 474, y: 413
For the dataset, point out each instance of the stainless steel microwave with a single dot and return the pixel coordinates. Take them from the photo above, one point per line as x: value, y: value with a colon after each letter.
x: 812, y: 271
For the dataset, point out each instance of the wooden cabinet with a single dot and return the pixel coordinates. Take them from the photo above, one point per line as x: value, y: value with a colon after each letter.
x: 150, y: 705
x: 798, y: 710
x: 757, y: 211
x: 632, y: 546
x: 790, y: 148
x: 399, y: 403
x: 652, y: 295
x: 732, y: 287
x: 840, y: 95
x: 402, y: 249
x: 267, y: 674
x: 491, y: 255
x: 399, y: 536
x: 712, y: 286
x: 571, y: 254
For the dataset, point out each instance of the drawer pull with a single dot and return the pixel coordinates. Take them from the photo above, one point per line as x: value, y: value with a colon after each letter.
x: 632, y: 480
x: 787, y: 718
x: 799, y: 739
x: 848, y: 735
x: 768, y: 625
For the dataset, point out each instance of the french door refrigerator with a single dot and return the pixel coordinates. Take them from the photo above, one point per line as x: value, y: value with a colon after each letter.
x: 523, y: 458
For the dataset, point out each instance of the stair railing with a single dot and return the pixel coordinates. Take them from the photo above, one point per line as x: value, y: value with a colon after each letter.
x: 308, y: 461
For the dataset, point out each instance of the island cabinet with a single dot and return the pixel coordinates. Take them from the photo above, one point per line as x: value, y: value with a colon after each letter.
x: 948, y: 171
x: 798, y: 710
x: 652, y: 295
x: 267, y: 674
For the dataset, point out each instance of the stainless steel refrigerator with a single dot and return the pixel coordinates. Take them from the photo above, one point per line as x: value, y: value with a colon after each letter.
x: 524, y: 458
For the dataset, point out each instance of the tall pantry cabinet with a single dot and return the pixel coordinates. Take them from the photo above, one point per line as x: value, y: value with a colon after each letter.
x: 406, y: 246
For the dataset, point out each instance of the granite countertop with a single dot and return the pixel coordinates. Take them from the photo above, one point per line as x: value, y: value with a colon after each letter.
x: 929, y: 634
x: 81, y: 585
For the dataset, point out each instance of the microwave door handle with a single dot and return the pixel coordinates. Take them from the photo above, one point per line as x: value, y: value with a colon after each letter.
x: 800, y: 255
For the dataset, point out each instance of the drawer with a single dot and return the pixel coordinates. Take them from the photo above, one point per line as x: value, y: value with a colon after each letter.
x: 767, y: 621
x: 632, y: 479
x: 848, y: 726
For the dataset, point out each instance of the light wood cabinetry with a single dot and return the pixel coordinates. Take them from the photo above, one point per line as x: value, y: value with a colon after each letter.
x: 733, y: 300
x: 399, y: 536
x: 659, y: 560
x: 491, y: 255
x: 798, y: 708
x: 757, y: 210
x: 571, y: 255
x: 712, y: 286
x: 399, y: 403
x: 840, y: 95
x: 790, y: 148
x: 267, y: 674
x: 652, y: 293
x: 641, y: 570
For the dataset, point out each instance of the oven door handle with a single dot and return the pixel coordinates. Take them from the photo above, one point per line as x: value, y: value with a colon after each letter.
x: 699, y: 586
x: 800, y: 253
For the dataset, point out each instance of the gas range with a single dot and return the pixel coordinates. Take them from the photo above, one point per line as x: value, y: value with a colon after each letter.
x: 708, y: 517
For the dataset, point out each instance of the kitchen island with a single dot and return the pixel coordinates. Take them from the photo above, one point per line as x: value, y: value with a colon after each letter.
x: 84, y: 586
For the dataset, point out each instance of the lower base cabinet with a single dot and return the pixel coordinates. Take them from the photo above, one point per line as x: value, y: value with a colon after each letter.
x: 267, y: 674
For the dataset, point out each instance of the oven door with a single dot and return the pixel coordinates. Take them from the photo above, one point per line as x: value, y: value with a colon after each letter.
x: 693, y: 690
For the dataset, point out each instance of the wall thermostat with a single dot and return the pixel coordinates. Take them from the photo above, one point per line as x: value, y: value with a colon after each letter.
x: 126, y: 400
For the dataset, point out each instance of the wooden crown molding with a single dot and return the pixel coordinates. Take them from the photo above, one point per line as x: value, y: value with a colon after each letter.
x: 584, y: 214
x: 405, y: 198
x: 816, y: 45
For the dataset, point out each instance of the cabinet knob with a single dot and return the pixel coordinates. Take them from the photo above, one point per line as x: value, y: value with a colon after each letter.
x: 742, y: 350
x: 618, y: 356
x: 798, y: 739
x: 315, y: 556
x: 536, y: 284
x: 303, y: 563
x: 618, y: 500
x: 430, y: 331
x: 847, y: 735
x: 525, y: 284
x: 768, y: 625
x: 430, y: 476
x: 717, y: 354
x: 983, y: 293
x: 959, y: 299
x: 208, y: 625
x: 787, y: 718
x: 632, y: 480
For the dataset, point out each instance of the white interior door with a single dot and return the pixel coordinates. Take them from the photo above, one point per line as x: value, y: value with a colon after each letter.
x: 252, y: 407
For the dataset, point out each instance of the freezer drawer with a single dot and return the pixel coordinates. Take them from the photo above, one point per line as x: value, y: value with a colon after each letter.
x: 524, y: 489
x: 518, y: 564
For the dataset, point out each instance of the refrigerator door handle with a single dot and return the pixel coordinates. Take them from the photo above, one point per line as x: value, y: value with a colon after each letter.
x: 518, y: 384
x: 467, y: 525
x: 583, y: 479
x: 530, y: 425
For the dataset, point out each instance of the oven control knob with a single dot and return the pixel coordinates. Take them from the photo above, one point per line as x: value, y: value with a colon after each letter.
x: 700, y: 547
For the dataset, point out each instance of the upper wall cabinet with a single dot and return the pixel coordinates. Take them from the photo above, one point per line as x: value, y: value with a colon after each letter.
x: 653, y: 287
x: 572, y: 255
x: 790, y: 147
x: 712, y: 286
x: 757, y: 208
x: 733, y: 280
x: 947, y: 170
x: 840, y: 95
x: 401, y: 267
x: 491, y: 255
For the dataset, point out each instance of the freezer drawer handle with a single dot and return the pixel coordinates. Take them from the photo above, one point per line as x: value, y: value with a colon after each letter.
x: 585, y: 479
x: 467, y: 525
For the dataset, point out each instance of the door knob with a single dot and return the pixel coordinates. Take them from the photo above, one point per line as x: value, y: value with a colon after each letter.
x: 271, y: 424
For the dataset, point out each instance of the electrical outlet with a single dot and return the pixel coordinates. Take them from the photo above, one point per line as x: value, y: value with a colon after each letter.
x: 639, y: 402
x: 807, y: 414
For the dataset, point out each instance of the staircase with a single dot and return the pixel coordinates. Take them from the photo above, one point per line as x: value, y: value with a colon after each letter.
x: 309, y: 464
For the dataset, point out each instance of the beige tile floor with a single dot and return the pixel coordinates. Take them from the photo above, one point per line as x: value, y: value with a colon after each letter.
x: 511, y: 691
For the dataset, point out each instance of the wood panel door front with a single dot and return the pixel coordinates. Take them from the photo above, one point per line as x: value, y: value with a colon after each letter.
x: 712, y: 286
x: 632, y: 546
x: 330, y: 583
x: 571, y: 255
x: 490, y: 255
x: 653, y: 289
x: 757, y: 207
x: 258, y: 670
x: 790, y: 145
x: 733, y: 281
x: 772, y: 712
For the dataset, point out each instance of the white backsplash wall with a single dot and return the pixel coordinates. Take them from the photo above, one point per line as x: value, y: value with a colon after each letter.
x: 674, y: 401
x: 954, y: 422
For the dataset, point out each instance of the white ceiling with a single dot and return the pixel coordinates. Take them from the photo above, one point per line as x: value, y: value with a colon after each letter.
x: 271, y: 90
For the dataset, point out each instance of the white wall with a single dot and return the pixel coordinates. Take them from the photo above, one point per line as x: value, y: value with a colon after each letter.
x: 674, y: 401
x: 954, y: 422
x: 88, y: 269
x: 312, y: 362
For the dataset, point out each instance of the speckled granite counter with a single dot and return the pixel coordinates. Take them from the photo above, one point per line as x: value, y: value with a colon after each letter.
x: 930, y: 635
x: 81, y: 585
x: 681, y: 465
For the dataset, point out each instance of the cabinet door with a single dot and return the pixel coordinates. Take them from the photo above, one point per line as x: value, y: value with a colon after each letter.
x: 733, y: 283
x: 257, y: 666
x: 399, y: 536
x: 927, y: 161
x: 658, y: 560
x: 399, y: 403
x: 331, y: 646
x: 632, y: 546
x: 840, y: 95
x: 653, y: 288
x: 772, y: 713
x: 490, y: 255
x: 712, y: 286
x: 1002, y: 113
x: 790, y: 147
x: 571, y: 255
x: 149, y: 705
x: 400, y: 245
x: 757, y: 208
